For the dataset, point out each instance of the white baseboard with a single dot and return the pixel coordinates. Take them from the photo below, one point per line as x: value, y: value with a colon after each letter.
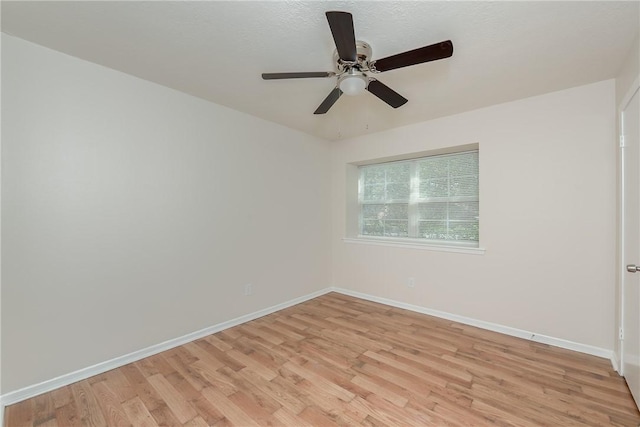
x: 90, y: 371
x: 507, y: 330
x: 614, y: 362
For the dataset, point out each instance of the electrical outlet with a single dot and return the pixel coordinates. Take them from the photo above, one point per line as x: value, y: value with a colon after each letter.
x: 248, y: 289
x: 411, y: 282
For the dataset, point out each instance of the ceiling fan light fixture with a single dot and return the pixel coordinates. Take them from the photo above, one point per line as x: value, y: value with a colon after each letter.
x: 353, y: 83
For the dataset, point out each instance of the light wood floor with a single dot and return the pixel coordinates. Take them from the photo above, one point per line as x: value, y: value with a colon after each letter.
x: 337, y: 360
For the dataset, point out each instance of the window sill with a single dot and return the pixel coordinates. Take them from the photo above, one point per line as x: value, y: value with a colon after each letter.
x: 395, y: 243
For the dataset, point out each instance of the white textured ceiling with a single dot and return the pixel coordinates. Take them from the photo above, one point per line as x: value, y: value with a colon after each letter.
x: 217, y: 50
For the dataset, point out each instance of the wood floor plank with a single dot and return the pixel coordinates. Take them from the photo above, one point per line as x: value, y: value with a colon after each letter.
x: 182, y: 386
x: 66, y: 415
x: 499, y: 396
x: 255, y: 410
x: 229, y: 409
x: 49, y: 422
x: 160, y: 363
x: 339, y: 411
x: 88, y: 408
x: 271, y: 388
x: 261, y: 332
x: 316, y: 417
x: 284, y: 331
x: 214, y: 378
x: 20, y: 414
x: 197, y: 422
x: 288, y: 419
x: 221, y: 356
x: 61, y: 396
x: 389, y: 415
x: 203, y: 355
x: 313, y: 350
x: 340, y: 361
x: 218, y: 343
x: 187, y: 372
x: 120, y: 385
x: 339, y: 377
x: 409, y: 369
x: 143, y: 389
x: 146, y: 367
x: 182, y: 410
x: 253, y: 364
x: 496, y: 411
x: 165, y: 417
x: 543, y: 400
x: 138, y: 413
x: 209, y: 413
x: 110, y: 404
x: 330, y: 387
x: 44, y: 408
x: 271, y: 356
x: 289, y: 321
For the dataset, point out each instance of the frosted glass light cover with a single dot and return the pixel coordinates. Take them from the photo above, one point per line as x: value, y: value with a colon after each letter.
x: 353, y: 85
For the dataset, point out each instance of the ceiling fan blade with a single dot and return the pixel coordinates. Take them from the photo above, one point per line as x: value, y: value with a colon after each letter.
x: 303, y: 75
x: 417, y: 56
x: 341, y: 24
x: 329, y: 101
x: 386, y: 94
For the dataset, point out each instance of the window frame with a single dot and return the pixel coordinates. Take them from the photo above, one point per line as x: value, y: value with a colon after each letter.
x: 413, y: 205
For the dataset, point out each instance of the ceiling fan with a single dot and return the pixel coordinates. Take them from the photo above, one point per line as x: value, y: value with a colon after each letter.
x: 354, y: 64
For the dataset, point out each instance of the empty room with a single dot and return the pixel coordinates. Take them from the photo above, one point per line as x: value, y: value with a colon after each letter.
x: 320, y: 213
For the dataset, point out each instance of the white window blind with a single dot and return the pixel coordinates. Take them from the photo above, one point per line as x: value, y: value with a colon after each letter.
x: 430, y: 198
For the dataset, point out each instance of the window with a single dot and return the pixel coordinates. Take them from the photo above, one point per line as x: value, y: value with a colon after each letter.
x: 433, y: 198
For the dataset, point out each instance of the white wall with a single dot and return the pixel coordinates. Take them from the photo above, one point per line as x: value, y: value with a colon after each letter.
x: 547, y: 218
x: 133, y: 214
x: 628, y: 72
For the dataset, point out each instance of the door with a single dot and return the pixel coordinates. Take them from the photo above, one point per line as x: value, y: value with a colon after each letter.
x: 631, y: 244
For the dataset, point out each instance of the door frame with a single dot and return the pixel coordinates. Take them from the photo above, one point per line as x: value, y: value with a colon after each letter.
x: 635, y: 87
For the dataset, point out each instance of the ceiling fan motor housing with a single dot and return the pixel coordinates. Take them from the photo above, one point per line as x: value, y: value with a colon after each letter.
x: 364, y: 55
